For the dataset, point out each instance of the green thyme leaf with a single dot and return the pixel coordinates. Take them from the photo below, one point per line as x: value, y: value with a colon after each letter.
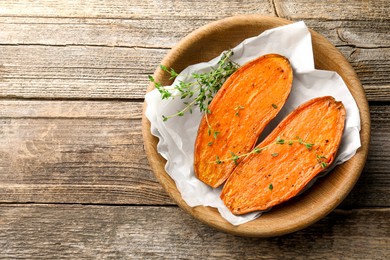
x: 309, y: 146
x: 234, y: 157
x: 279, y: 141
x: 320, y: 160
x: 257, y: 150
x: 218, y: 161
x: 202, y: 87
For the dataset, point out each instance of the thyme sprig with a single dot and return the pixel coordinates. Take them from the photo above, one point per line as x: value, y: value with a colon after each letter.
x: 234, y: 157
x: 203, y: 88
x: 309, y: 146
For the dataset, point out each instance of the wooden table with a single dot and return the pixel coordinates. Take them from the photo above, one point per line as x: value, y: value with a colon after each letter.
x: 74, y: 178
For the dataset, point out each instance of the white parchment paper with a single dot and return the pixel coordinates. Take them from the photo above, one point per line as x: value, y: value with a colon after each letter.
x: 177, y: 135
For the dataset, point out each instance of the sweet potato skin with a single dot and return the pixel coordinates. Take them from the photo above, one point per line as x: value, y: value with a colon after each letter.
x: 283, y: 168
x: 245, y: 104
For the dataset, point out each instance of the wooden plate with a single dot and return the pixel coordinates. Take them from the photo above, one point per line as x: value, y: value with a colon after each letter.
x: 208, y: 42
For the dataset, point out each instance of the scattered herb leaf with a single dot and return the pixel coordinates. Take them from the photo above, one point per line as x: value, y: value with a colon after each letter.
x: 218, y: 161
x: 309, y: 146
x: 320, y: 160
x: 257, y: 150
x: 234, y: 157
x: 279, y: 140
x: 238, y: 108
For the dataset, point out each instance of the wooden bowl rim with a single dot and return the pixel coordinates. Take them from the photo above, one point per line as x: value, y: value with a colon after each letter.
x: 311, y: 206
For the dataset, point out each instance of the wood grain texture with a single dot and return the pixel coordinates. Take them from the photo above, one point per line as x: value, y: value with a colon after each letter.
x: 74, y: 231
x: 332, y: 10
x: 45, y: 158
x: 63, y: 141
x: 75, y: 72
x: 146, y: 33
x: 85, y: 72
x: 74, y: 152
x: 71, y: 168
x: 153, y: 32
x: 102, y: 54
x: 135, y: 9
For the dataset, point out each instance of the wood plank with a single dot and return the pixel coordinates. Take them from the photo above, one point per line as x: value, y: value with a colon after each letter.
x: 81, y: 69
x: 137, y: 9
x: 372, y: 69
x: 375, y: 173
x: 134, y: 9
x: 358, y: 34
x: 70, y: 109
x: 333, y: 10
x: 121, y: 73
x: 76, y: 72
x: 153, y: 32
x: 92, y: 152
x: 75, y: 232
x: 75, y: 152
x: 353, y: 25
x: 147, y: 33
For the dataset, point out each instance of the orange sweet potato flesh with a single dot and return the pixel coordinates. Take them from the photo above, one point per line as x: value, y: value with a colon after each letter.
x: 244, y: 105
x: 285, y: 165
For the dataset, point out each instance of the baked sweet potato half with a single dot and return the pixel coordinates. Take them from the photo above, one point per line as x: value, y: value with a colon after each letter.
x: 300, y: 147
x: 244, y: 105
